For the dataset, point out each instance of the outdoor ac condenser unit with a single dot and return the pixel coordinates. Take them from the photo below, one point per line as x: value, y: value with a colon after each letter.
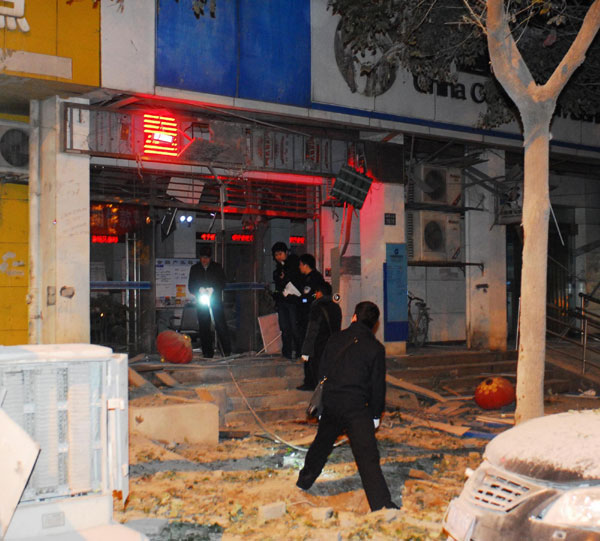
x: 14, y: 148
x: 71, y: 399
x: 433, y: 236
x: 435, y: 186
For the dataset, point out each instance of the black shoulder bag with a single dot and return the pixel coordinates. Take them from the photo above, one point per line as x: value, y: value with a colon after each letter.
x: 315, y: 404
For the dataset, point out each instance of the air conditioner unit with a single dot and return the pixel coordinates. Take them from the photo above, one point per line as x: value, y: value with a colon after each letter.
x: 14, y: 147
x: 435, y: 186
x: 433, y: 236
x: 71, y: 399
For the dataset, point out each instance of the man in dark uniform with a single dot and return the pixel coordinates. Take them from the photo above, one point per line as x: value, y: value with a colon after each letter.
x: 206, y: 283
x: 288, y: 284
x: 312, y: 280
x: 324, y: 319
x: 353, y: 400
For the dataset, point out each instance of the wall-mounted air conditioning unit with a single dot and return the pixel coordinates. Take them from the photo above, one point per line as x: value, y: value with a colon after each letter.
x: 433, y: 236
x: 71, y: 400
x: 435, y: 186
x: 14, y: 147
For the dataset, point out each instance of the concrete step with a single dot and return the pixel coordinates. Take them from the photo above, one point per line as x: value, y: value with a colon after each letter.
x: 440, y: 357
x: 246, y: 371
x: 254, y: 387
x: 425, y: 372
x: 266, y: 415
x: 269, y: 401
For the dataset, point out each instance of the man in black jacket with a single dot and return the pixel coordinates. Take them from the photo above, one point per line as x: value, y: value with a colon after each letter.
x: 312, y: 279
x: 324, y: 319
x: 206, y: 282
x: 288, y: 284
x: 353, y: 400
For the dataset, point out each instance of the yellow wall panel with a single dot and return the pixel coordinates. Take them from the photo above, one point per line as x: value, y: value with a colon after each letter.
x: 13, y: 308
x: 41, y: 38
x: 13, y: 264
x: 14, y: 247
x: 14, y: 221
x: 79, y: 38
x: 64, y: 32
x: 13, y: 338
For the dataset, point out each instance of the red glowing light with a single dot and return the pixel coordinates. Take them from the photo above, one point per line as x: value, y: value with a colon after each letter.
x: 207, y: 236
x: 160, y: 135
x: 105, y: 239
x: 239, y: 237
x: 297, y: 240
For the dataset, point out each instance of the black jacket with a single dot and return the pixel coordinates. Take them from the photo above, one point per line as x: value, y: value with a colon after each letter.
x: 311, y: 281
x: 324, y: 319
x: 285, y: 272
x: 213, y: 276
x: 356, y: 377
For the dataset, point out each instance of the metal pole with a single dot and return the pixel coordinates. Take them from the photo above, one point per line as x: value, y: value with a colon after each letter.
x: 518, y: 326
x: 585, y: 325
x: 125, y: 294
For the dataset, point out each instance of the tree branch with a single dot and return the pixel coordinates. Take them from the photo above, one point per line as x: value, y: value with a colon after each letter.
x: 576, y: 53
x: 508, y: 64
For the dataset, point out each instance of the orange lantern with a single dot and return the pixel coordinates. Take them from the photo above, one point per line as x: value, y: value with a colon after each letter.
x: 494, y: 393
x: 174, y: 347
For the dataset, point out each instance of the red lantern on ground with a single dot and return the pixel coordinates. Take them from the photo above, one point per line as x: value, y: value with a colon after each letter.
x: 494, y: 393
x: 174, y: 347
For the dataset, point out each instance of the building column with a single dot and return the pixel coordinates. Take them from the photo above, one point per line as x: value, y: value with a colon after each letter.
x: 62, y: 230
x: 382, y: 241
x: 485, y: 243
x: 343, y: 269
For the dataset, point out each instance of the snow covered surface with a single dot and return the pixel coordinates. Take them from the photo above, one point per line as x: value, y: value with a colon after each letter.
x: 568, y: 443
x: 54, y: 352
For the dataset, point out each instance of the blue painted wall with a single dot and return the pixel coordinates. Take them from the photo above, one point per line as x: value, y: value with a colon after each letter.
x: 254, y: 49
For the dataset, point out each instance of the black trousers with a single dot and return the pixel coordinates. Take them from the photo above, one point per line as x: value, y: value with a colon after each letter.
x: 291, y: 334
x: 359, y: 428
x: 206, y: 332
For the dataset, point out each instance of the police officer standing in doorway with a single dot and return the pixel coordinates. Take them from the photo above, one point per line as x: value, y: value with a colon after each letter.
x: 206, y: 282
x: 288, y: 284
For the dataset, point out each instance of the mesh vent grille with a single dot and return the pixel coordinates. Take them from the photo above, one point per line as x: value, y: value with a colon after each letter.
x: 60, y: 406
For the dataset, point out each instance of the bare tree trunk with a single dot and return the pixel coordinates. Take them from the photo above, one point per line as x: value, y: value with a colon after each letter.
x: 536, y: 211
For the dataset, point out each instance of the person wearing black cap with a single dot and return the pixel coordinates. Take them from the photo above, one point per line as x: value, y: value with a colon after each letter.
x: 288, y: 284
x: 206, y: 282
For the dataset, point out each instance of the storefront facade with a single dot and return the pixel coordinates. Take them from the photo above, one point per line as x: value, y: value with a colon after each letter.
x: 244, y: 122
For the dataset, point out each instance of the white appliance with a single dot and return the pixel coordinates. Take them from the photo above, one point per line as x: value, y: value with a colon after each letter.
x: 435, y: 186
x: 433, y: 236
x: 71, y: 399
x: 14, y: 148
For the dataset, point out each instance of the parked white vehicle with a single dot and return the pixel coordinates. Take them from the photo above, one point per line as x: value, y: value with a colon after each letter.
x: 538, y: 480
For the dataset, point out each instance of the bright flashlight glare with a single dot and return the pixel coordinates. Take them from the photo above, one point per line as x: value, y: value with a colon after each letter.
x: 189, y: 219
x: 204, y: 299
x: 182, y: 218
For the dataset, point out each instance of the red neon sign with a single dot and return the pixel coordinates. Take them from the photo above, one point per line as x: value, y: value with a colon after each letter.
x: 105, y: 239
x: 239, y: 237
x: 297, y: 240
x: 207, y: 236
x: 160, y: 135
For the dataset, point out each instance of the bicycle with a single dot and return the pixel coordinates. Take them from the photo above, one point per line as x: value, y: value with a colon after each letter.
x: 418, y: 327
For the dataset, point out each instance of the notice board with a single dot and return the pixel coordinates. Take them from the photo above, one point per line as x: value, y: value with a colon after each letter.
x: 171, y: 279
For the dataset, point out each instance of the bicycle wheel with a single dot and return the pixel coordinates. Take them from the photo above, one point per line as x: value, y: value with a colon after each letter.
x: 420, y: 331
